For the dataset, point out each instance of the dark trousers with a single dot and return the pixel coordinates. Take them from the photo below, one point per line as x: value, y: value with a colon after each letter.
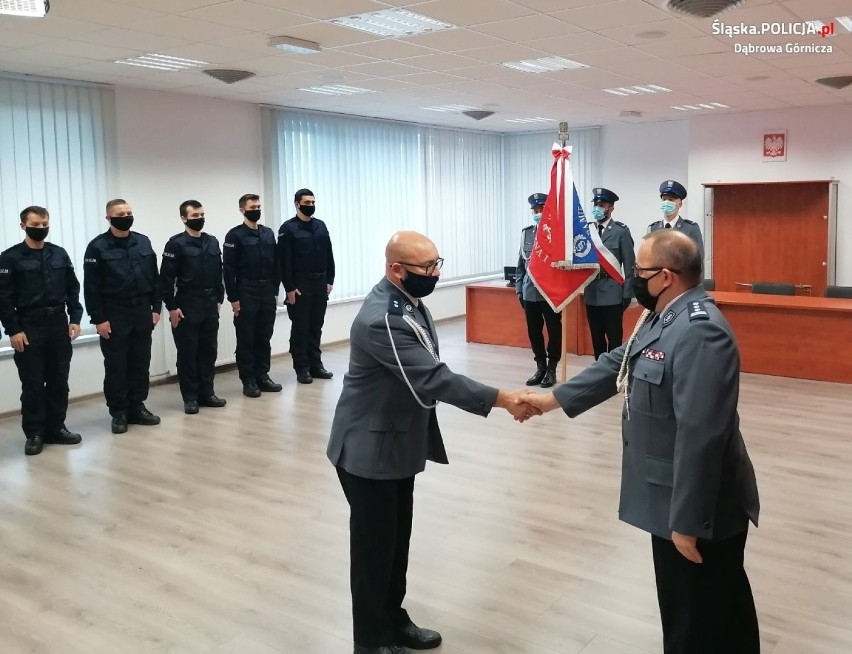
x: 254, y: 328
x: 606, y: 327
x: 196, y: 340
x: 127, y: 357
x: 538, y: 314
x: 379, y: 534
x: 706, y: 608
x: 43, y: 368
x: 307, y: 316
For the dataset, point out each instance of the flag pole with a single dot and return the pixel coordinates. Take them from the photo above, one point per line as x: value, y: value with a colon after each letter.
x: 564, y: 137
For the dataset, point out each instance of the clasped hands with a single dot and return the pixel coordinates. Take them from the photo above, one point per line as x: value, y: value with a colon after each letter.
x: 523, y: 404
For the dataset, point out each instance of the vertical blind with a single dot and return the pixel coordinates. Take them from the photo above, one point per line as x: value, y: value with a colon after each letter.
x: 464, y: 189
x: 56, y: 151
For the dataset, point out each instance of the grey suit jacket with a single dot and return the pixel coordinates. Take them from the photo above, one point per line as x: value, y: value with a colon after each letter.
x: 684, y: 464
x: 604, y: 291
x: 688, y: 227
x: 524, y: 286
x: 379, y: 430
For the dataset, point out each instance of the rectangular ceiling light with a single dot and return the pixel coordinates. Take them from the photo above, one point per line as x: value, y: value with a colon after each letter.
x: 636, y: 90
x: 335, y: 89
x: 846, y: 21
x: 294, y: 46
x: 450, y: 108
x: 699, y: 107
x: 544, y: 65
x: 31, y: 8
x: 537, y: 119
x: 393, y: 23
x: 161, y: 62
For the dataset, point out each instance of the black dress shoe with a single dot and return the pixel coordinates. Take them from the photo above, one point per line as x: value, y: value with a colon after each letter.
x: 250, y: 389
x: 190, y: 408
x: 62, y: 436
x: 384, y: 649
x: 549, y: 378
x: 413, y: 637
x: 304, y: 377
x: 141, y: 416
x: 119, y: 423
x: 212, y: 401
x: 321, y: 373
x: 538, y: 375
x: 34, y: 445
x: 266, y: 385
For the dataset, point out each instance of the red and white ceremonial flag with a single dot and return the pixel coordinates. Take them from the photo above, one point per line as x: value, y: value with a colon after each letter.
x: 564, y: 258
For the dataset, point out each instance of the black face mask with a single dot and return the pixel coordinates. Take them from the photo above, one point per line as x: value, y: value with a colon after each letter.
x: 307, y: 209
x: 195, y: 223
x: 643, y: 296
x: 419, y: 285
x: 37, y: 234
x: 122, y: 223
x: 252, y: 215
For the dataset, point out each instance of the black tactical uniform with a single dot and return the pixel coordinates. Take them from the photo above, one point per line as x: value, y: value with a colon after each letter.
x: 36, y: 286
x: 307, y: 264
x: 193, y: 266
x: 120, y: 285
x: 251, y: 278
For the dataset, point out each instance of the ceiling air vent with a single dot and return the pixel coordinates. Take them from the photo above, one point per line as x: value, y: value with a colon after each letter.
x: 227, y: 75
x: 478, y: 115
x: 703, y: 8
x: 839, y: 82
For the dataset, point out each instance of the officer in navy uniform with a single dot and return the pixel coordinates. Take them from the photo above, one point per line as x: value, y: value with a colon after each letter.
x: 536, y: 309
x: 37, y: 283
x: 250, y: 267
x: 673, y: 194
x: 605, y: 298
x: 192, y: 263
x: 121, y: 288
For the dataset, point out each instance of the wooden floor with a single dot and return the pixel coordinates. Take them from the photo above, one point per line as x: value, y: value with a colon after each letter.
x: 226, y: 532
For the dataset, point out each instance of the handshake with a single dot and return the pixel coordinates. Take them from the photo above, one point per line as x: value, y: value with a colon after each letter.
x: 523, y: 404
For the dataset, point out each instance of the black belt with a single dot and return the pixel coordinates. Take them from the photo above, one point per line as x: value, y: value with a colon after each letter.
x: 192, y: 290
x: 135, y: 301
x: 41, y: 311
x: 319, y: 275
x: 254, y: 282
x: 603, y: 274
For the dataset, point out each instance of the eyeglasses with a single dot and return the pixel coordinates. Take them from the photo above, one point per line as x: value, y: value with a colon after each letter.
x: 653, y: 269
x: 428, y: 267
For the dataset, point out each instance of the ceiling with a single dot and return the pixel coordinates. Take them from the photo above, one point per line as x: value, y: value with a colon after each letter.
x: 80, y: 39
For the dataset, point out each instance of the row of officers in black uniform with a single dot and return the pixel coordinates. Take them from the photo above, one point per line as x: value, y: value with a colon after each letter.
x: 124, y: 292
x: 605, y: 298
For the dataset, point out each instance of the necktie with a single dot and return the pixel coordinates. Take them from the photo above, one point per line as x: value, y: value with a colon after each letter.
x: 600, y: 230
x: 668, y: 225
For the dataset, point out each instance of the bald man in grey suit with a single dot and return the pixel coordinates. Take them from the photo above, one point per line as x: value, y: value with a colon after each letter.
x: 385, y: 429
x: 686, y: 475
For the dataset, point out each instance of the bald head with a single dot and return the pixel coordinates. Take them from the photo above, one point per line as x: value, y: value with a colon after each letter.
x: 410, y: 252
x: 672, y: 249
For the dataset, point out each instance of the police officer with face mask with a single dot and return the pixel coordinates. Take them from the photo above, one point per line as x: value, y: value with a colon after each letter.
x: 37, y: 283
x: 307, y: 272
x: 192, y: 264
x: 536, y: 309
x: 251, y: 283
x: 120, y: 285
x: 605, y: 298
x: 672, y: 195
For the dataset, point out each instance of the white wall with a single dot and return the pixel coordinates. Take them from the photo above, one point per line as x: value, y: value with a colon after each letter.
x: 729, y: 149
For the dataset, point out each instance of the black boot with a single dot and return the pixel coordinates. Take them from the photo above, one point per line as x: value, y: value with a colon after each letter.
x: 549, y: 378
x: 535, y: 380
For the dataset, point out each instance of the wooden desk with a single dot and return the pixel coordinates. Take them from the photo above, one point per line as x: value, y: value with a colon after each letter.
x: 494, y: 316
x: 798, y: 336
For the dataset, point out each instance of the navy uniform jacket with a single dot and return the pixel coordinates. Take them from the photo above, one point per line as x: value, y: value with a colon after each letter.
x: 604, y: 291
x: 123, y: 270
x: 30, y: 281
x: 379, y: 429
x: 688, y: 227
x: 193, y: 265
x: 250, y: 261
x: 524, y: 286
x: 684, y: 464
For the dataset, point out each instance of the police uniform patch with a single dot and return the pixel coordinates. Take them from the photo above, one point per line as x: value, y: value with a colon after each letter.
x: 654, y: 355
x: 668, y: 318
x: 395, y: 305
x: 409, y: 308
x: 697, y: 311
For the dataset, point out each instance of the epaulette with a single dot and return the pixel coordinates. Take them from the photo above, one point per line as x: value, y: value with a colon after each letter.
x: 687, y: 220
x: 697, y: 311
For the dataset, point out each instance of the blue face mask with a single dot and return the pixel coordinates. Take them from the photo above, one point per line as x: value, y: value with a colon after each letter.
x: 598, y: 213
x: 668, y: 207
x: 536, y: 218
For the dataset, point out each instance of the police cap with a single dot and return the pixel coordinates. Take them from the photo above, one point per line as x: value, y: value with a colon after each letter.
x: 674, y: 188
